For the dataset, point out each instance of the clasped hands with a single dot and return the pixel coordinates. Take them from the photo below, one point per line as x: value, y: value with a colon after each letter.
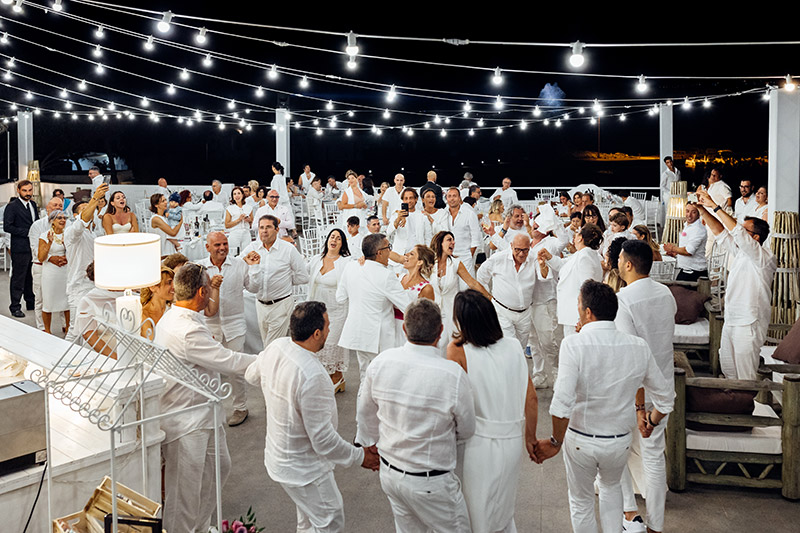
x: 540, y: 450
x: 372, y: 460
x: 252, y: 258
x: 58, y: 260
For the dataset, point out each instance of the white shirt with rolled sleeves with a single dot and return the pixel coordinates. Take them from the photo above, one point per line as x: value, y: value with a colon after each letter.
x: 544, y: 290
x: 693, y: 238
x: 599, y: 371
x: 464, y: 227
x: 748, y: 291
x: 229, y: 322
x: 744, y: 209
x: 372, y: 291
x: 417, y: 230
x: 720, y: 193
x: 301, y: 443
x: 416, y: 406
x: 278, y: 270
x: 281, y: 212
x: 185, y: 334
x: 79, y: 242
x: 510, y: 287
x: 572, y: 272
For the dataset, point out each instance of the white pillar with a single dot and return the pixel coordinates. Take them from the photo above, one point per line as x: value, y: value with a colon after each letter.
x: 282, y: 140
x: 784, y: 158
x: 24, y: 142
x: 664, y: 137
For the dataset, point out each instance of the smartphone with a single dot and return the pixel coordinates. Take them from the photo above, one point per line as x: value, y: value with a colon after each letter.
x: 404, y: 207
x: 107, y: 179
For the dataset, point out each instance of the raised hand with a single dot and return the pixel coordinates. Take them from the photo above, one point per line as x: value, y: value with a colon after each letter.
x: 252, y: 258
x: 544, y: 255
x: 216, y: 282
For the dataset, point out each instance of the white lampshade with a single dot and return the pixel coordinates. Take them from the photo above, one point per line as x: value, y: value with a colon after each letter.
x: 127, y: 261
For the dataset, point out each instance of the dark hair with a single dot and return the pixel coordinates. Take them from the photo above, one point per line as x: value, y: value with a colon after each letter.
x: 371, y: 218
x: 628, y: 210
x: 77, y: 205
x: 154, y: 201
x: 90, y: 271
x: 353, y: 221
x: 600, y: 298
x: 306, y: 318
x: 592, y: 209
x: 469, y: 200
x: 271, y: 218
x: 472, y: 189
x: 592, y: 236
x: 436, y: 243
x: 564, y: 194
x: 56, y: 191
x: 316, y: 178
x: 668, y: 158
x: 344, y: 251
x: 185, y: 194
x: 423, y: 321
x: 277, y: 166
x: 233, y: 202
x: 409, y: 189
x: 576, y: 214
x: 23, y: 183
x: 430, y: 191
x: 174, y: 261
x: 476, y: 319
x: 590, y: 194
x: 614, y: 248
x: 260, y: 190
x: 371, y: 243
x: 639, y: 253
x: 620, y: 218
x: 367, y: 186
x: 111, y: 209
x: 760, y: 228
x: 208, y: 196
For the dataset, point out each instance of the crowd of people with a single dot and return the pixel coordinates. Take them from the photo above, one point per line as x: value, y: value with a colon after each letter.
x: 440, y: 293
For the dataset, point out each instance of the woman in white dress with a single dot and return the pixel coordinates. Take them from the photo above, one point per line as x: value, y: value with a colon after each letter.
x: 325, y: 271
x: 418, y: 262
x: 761, y: 204
x: 238, y: 218
x: 119, y: 218
x: 445, y: 277
x: 278, y: 183
x: 353, y: 201
x: 161, y: 227
x: 53, y: 256
x: 506, y: 409
x: 573, y: 271
x: 429, y: 208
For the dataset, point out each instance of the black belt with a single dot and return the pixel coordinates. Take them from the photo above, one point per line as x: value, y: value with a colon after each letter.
x: 598, y: 436
x: 430, y: 473
x: 270, y: 302
x: 507, y: 307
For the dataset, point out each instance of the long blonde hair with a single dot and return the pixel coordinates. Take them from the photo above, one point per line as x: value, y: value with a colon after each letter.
x: 641, y: 229
x: 428, y: 258
x: 146, y: 294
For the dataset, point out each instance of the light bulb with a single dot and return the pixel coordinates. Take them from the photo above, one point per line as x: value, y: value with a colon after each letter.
x: 67, y: 105
x: 706, y: 102
x: 100, y: 68
x: 581, y: 110
x: 523, y: 124
x: 297, y: 125
x: 349, y: 132
x: 64, y: 93
x: 498, y: 103
x: 497, y: 78
x: 171, y: 89
x: 546, y: 122
x: 471, y: 132
x: 82, y: 85
x: 641, y: 86
x: 499, y: 130
x: 207, y: 61
x: 410, y: 132
x: 201, y: 36
x: 319, y: 131
x: 7, y: 75
x: 4, y: 38
x: 232, y: 104
x: 351, y: 114
x: 18, y: 6
x: 577, y: 59
x: 184, y: 74
x: 57, y: 6
x: 273, y: 72
x: 437, y: 119
x: 29, y: 95
x: 56, y: 115
x: 144, y: 102
x: 537, y: 112
x: 592, y: 121
x: 480, y: 123
x: 391, y: 95
x: 304, y: 82
x: 789, y: 85
x: 427, y: 125
x: 329, y: 105
x: 351, y: 63
x: 259, y: 92
x: 467, y: 106
x: 386, y: 113
x: 686, y: 103
x: 74, y: 116
x: 596, y: 107
x: 111, y: 106
x: 622, y: 117
x: 149, y: 44
x: 765, y: 96
x: 163, y: 25
x: 352, y: 45
x: 221, y: 125
x: 97, y: 52
x: 10, y: 62
x: 443, y: 133
x: 99, y: 32
x: 566, y: 116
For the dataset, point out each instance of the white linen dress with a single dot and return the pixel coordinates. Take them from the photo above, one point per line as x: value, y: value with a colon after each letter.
x: 445, y: 290
x: 348, y: 197
x: 54, y: 278
x: 239, y: 236
x: 490, y: 461
x: 322, y: 288
x: 167, y: 247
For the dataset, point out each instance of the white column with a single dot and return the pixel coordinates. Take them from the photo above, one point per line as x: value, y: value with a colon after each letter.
x: 664, y: 137
x: 282, y: 140
x: 784, y: 159
x: 24, y: 142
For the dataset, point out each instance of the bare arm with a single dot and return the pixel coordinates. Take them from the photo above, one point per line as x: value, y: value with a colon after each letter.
x: 531, y: 417
x: 471, y: 282
x: 166, y: 228
x: 456, y: 353
x: 88, y: 212
x: 44, y: 249
x: 108, y: 224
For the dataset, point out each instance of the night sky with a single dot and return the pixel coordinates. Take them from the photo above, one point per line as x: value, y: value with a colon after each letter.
x: 539, y: 155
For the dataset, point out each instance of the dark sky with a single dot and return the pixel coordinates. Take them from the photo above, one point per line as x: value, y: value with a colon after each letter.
x: 537, y: 156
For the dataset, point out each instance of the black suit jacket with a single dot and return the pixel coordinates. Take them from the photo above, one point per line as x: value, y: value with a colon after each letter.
x: 17, y: 222
x: 438, y: 190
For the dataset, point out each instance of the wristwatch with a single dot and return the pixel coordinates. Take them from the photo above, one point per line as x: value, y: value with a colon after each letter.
x: 717, y: 208
x: 554, y: 442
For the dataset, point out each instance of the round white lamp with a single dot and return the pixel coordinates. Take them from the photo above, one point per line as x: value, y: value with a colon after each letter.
x: 123, y: 262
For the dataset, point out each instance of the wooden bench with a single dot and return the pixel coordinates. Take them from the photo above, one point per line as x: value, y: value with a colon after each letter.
x: 712, y: 462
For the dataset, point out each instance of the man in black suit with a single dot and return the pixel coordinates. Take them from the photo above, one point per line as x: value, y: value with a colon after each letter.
x: 17, y: 219
x: 431, y: 184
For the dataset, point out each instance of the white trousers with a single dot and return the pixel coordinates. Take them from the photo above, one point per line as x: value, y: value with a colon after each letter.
x: 189, y: 477
x: 238, y: 384
x: 36, y: 273
x: 426, y: 504
x: 650, y: 452
x: 517, y: 325
x: 544, y: 339
x: 739, y: 350
x: 273, y: 320
x: 320, y: 508
x: 238, y: 240
x: 587, y: 459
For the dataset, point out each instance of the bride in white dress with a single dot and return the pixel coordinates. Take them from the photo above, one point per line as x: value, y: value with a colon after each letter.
x: 353, y: 201
x: 118, y: 217
x: 506, y: 409
x: 444, y: 279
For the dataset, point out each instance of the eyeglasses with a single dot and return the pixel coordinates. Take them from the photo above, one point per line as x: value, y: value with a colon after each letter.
x: 273, y: 196
x: 389, y: 247
x: 521, y: 250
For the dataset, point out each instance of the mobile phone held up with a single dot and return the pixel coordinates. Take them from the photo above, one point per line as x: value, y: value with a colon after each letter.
x: 404, y: 207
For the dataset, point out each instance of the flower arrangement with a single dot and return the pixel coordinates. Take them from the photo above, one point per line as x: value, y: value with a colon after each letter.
x: 245, y: 524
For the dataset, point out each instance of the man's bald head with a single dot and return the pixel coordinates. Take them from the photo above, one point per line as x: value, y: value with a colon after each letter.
x: 55, y: 204
x: 217, y: 246
x: 215, y: 236
x: 521, y: 240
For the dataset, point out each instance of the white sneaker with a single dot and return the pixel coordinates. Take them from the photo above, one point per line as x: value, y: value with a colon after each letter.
x: 539, y: 381
x: 633, y: 526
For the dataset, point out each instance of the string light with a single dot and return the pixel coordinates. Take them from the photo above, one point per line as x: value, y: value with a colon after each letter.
x: 577, y: 59
x: 259, y: 92
x: 641, y: 86
x: 497, y: 79
x: 622, y: 117
x: 351, y: 63
x: 4, y: 38
x: 546, y: 122
x: 319, y: 131
x: 201, y: 36
x: 273, y: 72
x: 411, y: 132
x: 144, y: 102
x: 64, y: 93
x: 498, y: 102
x: 537, y: 112
x: 596, y: 107
x: 592, y: 121
x: 467, y: 106
x: 232, y: 104
x: 765, y: 96
x: 437, y: 119
x: 97, y: 51
x: 17, y: 6
x: 99, y: 68
x: 499, y: 130
x: 443, y: 133
x: 352, y: 45
x: 99, y: 32
x: 112, y: 106
x: 207, y: 61
x: 789, y: 85
x: 7, y: 75
x: 706, y: 102
x: 82, y: 85
x: 304, y: 82
x: 558, y: 123
x: 480, y: 123
x: 392, y: 94
x: 686, y: 103
x: 427, y: 125
x: 28, y: 96
x: 57, y: 6
x: 149, y: 44
x: 184, y: 74
x: 67, y: 105
x: 471, y: 132
x: 329, y: 105
x: 164, y: 26
x: 581, y: 110
x: 349, y: 132
x: 523, y: 125
x: 386, y: 114
x: 351, y: 114
x: 171, y: 89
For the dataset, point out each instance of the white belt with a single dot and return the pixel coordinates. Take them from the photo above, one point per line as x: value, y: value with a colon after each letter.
x: 499, y: 429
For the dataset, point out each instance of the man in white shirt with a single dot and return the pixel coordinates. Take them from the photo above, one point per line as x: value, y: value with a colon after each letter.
x: 515, y: 223
x: 79, y: 242
x: 37, y: 228
x: 392, y: 199
x: 416, y: 405
x: 286, y: 227
x: 211, y: 208
x: 512, y: 274
x: 280, y: 266
x: 314, y: 197
x: 302, y: 445
x: 466, y: 184
x: 482, y: 204
x: 746, y: 204
x: 505, y: 193
x: 304, y: 180
x: 95, y: 177
x: 670, y: 175
x: 354, y: 237
x: 690, y: 252
x: 373, y: 225
x: 333, y: 189
x: 639, y: 215
x: 600, y: 370
x: 409, y: 228
x: 188, y: 446
x: 162, y: 187
x: 748, y: 292
x: 216, y: 188
x: 720, y: 192
x: 228, y: 323
x: 643, y: 304
x: 463, y: 224
x: 372, y: 291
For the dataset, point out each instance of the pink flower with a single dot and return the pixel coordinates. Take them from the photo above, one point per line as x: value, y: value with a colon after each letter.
x: 225, y: 526
x: 252, y: 529
x: 235, y: 526
x: 241, y: 529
